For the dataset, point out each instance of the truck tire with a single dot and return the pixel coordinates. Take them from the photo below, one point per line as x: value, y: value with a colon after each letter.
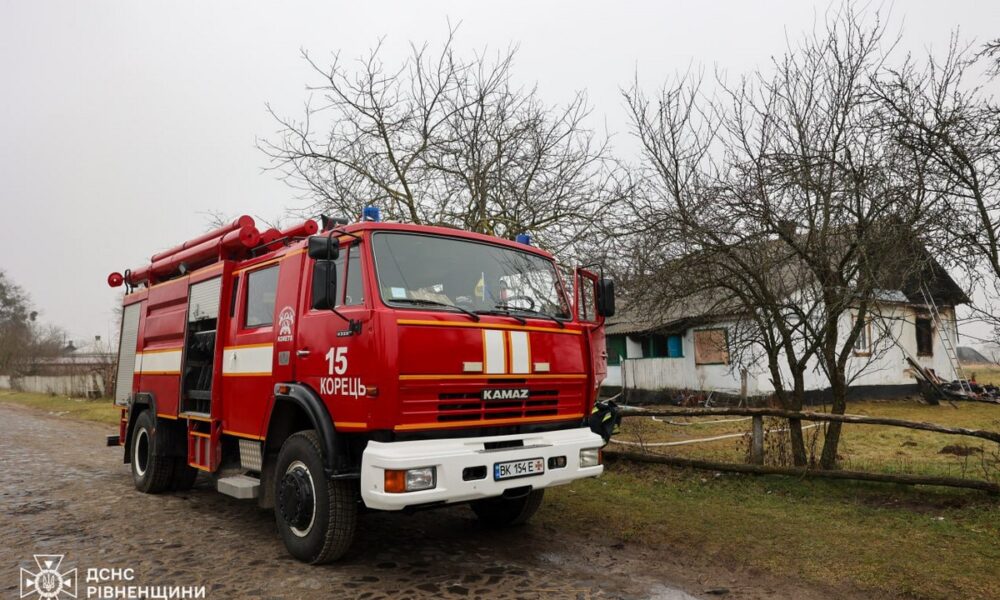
x: 317, y: 517
x: 152, y: 472
x: 504, y: 512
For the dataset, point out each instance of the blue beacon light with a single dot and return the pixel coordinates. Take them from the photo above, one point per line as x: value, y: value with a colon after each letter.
x: 371, y: 213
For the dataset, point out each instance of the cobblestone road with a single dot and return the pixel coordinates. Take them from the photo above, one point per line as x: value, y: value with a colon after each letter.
x: 61, y: 492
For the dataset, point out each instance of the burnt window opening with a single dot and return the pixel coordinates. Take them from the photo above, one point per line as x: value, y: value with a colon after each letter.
x: 925, y: 336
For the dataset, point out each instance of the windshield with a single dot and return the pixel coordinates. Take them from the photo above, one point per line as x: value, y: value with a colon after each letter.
x: 415, y: 270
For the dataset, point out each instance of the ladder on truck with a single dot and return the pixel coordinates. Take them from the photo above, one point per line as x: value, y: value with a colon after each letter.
x: 946, y: 341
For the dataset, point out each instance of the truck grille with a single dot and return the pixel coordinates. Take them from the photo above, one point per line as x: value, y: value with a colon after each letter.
x: 464, y: 406
x: 430, y: 401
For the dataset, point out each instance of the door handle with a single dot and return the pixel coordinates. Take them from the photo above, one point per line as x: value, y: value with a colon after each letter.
x: 301, y: 353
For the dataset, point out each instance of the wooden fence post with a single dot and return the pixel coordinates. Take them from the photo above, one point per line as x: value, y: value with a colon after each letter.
x: 757, y: 441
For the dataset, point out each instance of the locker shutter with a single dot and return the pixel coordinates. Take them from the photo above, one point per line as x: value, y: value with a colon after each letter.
x: 126, y: 352
x: 204, y: 300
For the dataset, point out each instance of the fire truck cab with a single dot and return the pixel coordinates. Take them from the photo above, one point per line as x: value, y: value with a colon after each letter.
x: 380, y: 365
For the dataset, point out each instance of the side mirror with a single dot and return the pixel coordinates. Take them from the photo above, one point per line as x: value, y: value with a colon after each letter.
x: 324, y: 247
x: 324, y: 292
x: 606, y: 298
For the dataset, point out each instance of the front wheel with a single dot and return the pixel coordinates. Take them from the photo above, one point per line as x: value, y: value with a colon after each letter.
x: 316, y: 516
x: 503, y: 512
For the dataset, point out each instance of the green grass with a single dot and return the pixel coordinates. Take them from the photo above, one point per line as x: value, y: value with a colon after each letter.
x: 888, y: 540
x: 987, y: 373
x: 101, y: 410
x: 893, y: 540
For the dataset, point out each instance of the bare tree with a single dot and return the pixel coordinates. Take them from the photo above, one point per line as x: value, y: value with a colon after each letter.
x: 16, y: 317
x: 941, y: 113
x: 448, y: 141
x: 23, y: 341
x: 790, y: 198
x: 991, y: 51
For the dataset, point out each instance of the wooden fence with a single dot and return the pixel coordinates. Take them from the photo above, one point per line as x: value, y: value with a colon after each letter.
x: 757, y: 446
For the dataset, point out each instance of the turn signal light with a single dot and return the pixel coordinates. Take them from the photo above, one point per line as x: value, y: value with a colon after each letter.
x: 395, y: 481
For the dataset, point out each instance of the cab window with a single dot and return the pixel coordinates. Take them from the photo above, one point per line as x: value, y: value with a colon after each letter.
x: 349, y: 294
x: 262, y: 287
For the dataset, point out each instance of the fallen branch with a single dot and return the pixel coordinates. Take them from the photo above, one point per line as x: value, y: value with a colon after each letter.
x: 672, y: 411
x: 905, y: 479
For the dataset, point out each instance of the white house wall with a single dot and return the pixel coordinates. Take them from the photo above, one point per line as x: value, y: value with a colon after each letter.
x: 681, y: 372
x: 886, y: 367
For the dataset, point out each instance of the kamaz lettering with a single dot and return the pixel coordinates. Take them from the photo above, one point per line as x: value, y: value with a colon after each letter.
x: 506, y: 394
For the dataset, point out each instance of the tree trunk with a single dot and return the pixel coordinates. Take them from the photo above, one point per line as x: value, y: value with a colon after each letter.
x: 792, y: 402
x: 831, y: 442
x: 799, y: 457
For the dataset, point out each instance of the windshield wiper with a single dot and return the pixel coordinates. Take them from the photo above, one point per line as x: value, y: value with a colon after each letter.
x: 534, y: 313
x: 502, y: 311
x: 475, y: 317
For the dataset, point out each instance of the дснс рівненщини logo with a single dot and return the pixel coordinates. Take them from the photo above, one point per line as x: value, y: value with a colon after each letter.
x: 48, y: 582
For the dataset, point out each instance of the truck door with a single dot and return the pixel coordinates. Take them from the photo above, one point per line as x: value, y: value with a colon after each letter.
x: 251, y: 357
x: 586, y: 305
x: 335, y: 351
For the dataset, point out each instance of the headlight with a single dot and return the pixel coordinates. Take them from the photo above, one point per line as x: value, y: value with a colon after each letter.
x: 420, y: 479
x: 410, y: 480
x: 590, y: 457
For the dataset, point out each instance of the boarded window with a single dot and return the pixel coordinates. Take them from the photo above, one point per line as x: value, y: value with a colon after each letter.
x: 710, y: 347
x: 925, y: 337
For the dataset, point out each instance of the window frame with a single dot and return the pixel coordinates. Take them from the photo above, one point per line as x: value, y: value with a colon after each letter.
x: 613, y: 358
x: 680, y: 338
x: 377, y: 283
x: 245, y: 304
x: 345, y: 272
x: 866, y: 336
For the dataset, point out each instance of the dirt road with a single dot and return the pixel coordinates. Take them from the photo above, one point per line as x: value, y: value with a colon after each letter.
x: 61, y: 492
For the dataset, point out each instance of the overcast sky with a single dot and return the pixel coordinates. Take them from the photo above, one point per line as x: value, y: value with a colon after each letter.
x: 122, y: 123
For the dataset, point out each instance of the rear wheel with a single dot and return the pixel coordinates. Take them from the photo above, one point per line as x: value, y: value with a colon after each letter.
x: 503, y: 512
x: 152, y: 472
x: 316, y: 516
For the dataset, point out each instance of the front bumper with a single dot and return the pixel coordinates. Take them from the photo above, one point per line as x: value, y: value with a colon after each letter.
x: 452, y: 456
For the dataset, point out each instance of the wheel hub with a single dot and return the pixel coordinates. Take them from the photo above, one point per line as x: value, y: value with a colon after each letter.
x: 295, y: 498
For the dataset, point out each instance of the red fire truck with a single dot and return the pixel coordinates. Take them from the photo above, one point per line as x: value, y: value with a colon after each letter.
x: 374, y: 364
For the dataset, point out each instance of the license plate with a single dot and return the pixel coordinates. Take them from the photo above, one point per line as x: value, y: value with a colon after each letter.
x: 518, y: 468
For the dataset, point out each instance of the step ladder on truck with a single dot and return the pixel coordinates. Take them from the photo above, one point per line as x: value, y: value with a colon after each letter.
x: 385, y: 365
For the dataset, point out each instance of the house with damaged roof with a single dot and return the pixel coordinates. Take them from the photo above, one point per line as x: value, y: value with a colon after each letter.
x: 655, y: 352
